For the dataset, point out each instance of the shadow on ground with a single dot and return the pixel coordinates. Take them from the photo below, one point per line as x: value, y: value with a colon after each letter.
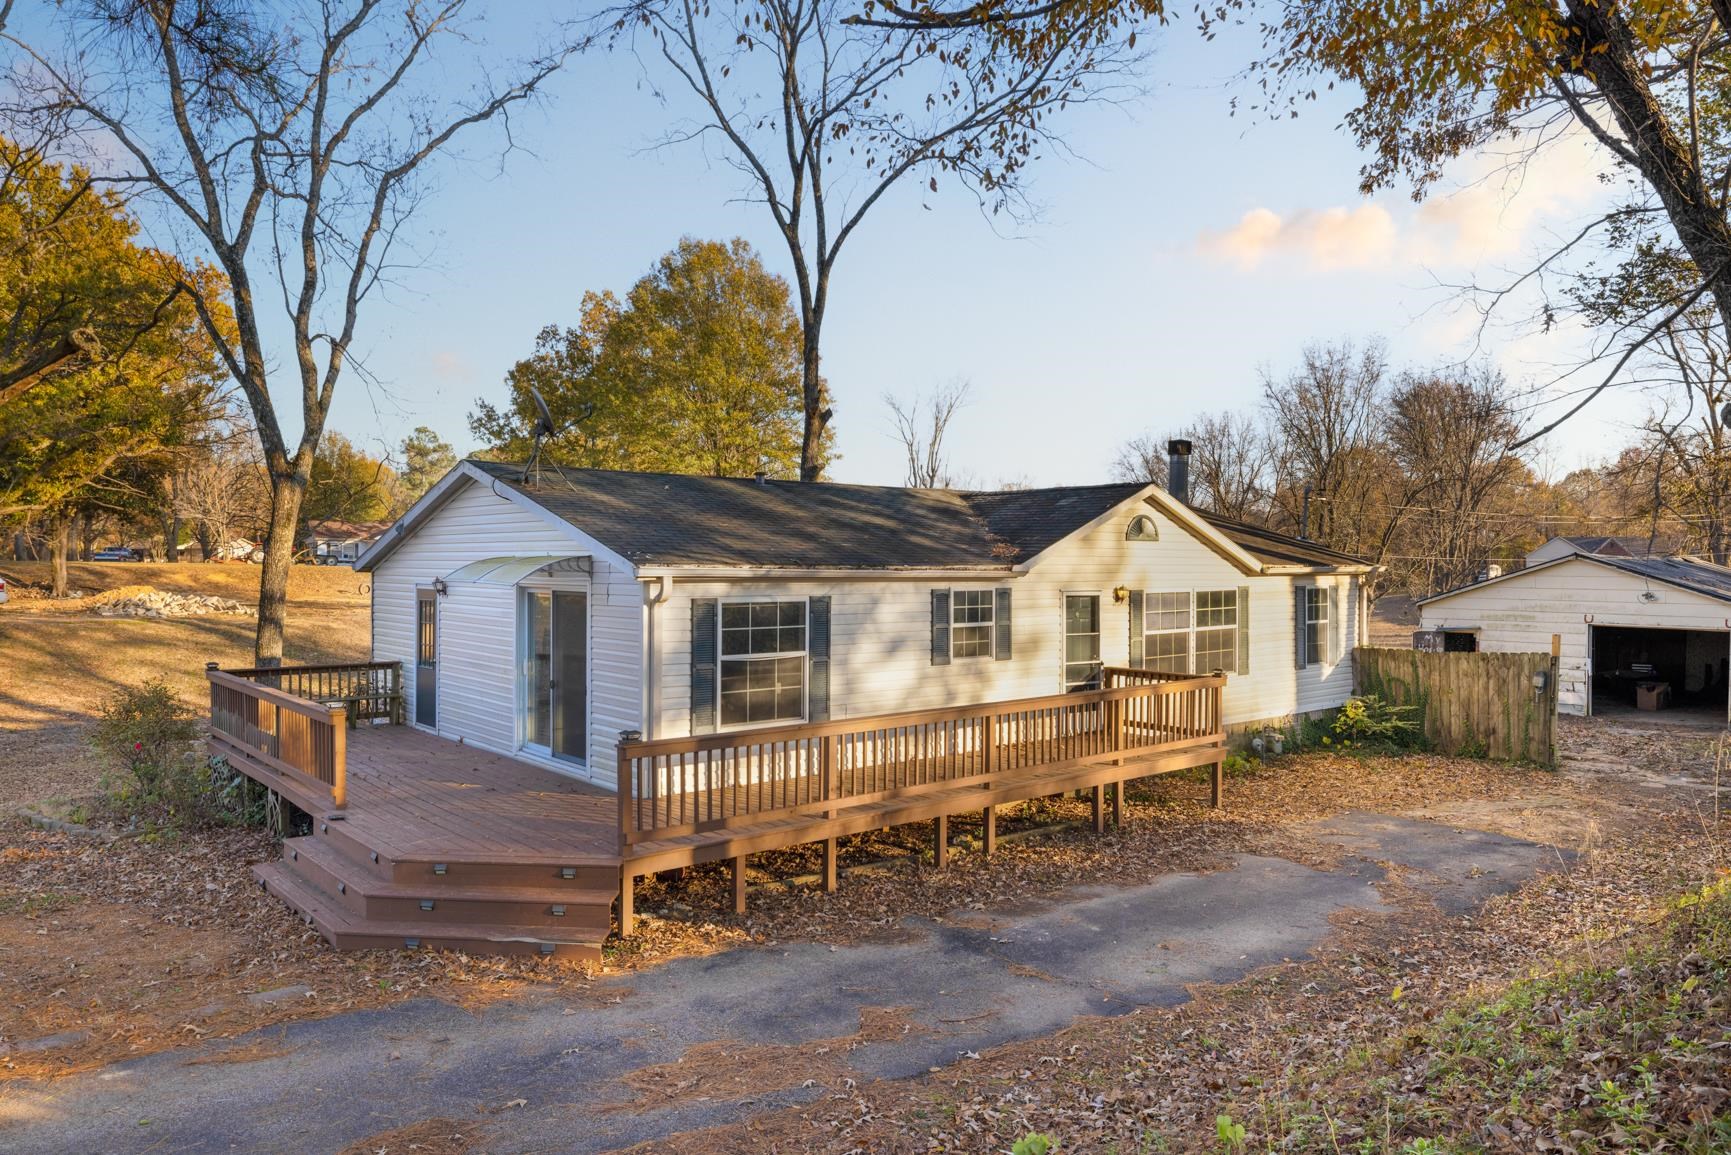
x: 799, y: 1018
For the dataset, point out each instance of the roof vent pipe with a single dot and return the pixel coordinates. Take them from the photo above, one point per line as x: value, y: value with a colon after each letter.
x: 1178, y: 469
x: 760, y: 477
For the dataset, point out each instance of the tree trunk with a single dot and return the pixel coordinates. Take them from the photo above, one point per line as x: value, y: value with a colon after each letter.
x: 816, y: 414
x: 86, y: 537
x: 59, y: 544
x: 170, y: 537
x: 287, y: 492
x: 206, y: 540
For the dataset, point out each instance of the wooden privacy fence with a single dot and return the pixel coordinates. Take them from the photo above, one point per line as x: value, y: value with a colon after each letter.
x: 278, y: 734
x: 369, y: 689
x: 678, y: 786
x: 1491, y: 705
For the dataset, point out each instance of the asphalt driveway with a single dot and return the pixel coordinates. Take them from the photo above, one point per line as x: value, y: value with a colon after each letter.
x: 558, y: 1077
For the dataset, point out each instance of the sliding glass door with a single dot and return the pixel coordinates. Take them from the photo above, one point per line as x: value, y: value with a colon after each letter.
x: 555, y: 673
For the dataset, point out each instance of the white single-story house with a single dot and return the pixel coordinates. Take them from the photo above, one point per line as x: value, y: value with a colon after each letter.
x: 542, y: 615
x: 342, y: 542
x: 1615, y: 623
x: 1627, y: 546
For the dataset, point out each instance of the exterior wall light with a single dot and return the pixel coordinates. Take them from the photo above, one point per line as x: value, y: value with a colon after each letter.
x: 440, y: 588
x: 1121, y: 594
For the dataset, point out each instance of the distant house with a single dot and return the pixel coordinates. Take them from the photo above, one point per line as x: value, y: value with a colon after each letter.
x: 1616, y: 624
x: 543, y: 617
x: 342, y: 542
x: 1630, y: 546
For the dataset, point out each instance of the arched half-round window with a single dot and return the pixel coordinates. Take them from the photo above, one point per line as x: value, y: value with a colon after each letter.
x: 1142, y: 528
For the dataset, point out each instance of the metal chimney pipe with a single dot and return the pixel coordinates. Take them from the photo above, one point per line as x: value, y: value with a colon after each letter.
x: 1178, y: 469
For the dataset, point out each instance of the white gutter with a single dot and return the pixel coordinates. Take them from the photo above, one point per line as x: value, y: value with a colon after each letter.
x: 794, y: 573
x: 652, y: 651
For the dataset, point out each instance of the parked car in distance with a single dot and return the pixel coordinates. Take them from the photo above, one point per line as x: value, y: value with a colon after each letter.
x: 3, y: 594
x: 115, y: 553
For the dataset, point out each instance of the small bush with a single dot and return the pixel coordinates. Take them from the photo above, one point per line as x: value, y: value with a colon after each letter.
x: 1370, y: 719
x: 153, y: 734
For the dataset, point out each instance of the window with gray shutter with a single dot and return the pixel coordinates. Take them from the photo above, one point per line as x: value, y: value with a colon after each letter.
x: 817, y: 652
x: 940, y: 627
x: 703, y: 642
x: 1300, y: 625
x: 1335, y: 632
x: 1003, y: 624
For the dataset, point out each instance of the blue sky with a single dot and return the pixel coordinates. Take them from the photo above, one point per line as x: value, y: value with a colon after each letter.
x: 1181, y: 252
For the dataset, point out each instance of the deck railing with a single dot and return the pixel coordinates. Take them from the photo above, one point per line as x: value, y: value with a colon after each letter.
x: 670, y: 787
x: 370, y: 690
x: 1135, y: 676
x: 272, y: 732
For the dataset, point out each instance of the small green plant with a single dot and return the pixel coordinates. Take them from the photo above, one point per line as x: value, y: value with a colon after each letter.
x: 150, y: 731
x: 1370, y: 718
x: 1242, y: 763
x: 1034, y: 1143
x: 167, y: 784
x: 1231, y: 1135
x: 1422, y: 1147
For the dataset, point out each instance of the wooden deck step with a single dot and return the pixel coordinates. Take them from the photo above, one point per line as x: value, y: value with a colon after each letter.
x: 346, y: 931
x: 356, y: 887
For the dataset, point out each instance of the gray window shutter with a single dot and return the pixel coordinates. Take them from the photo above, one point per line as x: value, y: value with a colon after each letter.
x: 940, y: 627
x: 1136, y: 658
x: 817, y: 659
x: 1001, y: 613
x: 1301, y: 651
x: 703, y: 645
x: 1335, y: 634
x: 1243, y: 629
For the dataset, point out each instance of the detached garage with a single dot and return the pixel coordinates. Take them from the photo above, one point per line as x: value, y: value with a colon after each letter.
x: 1646, y: 634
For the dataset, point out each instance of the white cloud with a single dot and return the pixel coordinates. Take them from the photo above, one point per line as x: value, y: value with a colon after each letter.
x: 1492, y: 210
x: 1335, y: 238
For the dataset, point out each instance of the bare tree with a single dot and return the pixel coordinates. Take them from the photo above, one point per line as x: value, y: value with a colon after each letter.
x: 1449, y: 434
x: 292, y: 150
x: 824, y: 115
x: 920, y: 426
x: 1228, y: 463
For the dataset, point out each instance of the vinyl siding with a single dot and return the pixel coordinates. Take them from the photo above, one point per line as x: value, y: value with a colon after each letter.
x: 881, y: 639
x: 1521, y: 613
x: 477, y: 692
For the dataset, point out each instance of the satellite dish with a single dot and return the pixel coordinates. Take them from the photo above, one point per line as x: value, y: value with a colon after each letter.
x: 544, y: 428
x: 544, y: 422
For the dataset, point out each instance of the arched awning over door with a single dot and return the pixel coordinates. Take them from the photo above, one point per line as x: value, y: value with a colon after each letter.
x: 508, y: 571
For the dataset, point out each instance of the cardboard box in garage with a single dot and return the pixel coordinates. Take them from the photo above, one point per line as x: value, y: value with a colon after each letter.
x: 1652, y: 695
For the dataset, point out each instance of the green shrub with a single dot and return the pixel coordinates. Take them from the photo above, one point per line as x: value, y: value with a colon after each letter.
x: 1369, y: 718
x: 153, y: 734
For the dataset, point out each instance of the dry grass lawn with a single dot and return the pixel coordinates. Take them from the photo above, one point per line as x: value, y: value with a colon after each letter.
x: 59, y: 662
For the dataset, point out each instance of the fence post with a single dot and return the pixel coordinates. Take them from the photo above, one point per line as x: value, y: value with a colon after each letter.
x: 626, y: 781
x: 826, y: 755
x: 339, y: 723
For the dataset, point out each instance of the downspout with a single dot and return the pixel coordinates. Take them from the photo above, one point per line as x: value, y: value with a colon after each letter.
x: 652, y: 597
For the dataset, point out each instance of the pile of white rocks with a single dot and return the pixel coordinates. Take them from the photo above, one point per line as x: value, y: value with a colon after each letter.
x: 135, y: 603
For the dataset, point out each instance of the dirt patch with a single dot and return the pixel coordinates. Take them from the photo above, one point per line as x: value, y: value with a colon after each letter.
x: 428, y: 1137
x: 124, y: 948
x: 309, y: 585
x: 730, y: 1070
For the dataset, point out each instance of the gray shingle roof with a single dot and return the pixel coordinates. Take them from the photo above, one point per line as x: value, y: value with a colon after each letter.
x: 1686, y: 573
x: 683, y: 520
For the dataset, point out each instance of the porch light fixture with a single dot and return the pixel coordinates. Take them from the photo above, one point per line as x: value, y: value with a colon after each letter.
x: 1120, y: 594
x: 439, y: 587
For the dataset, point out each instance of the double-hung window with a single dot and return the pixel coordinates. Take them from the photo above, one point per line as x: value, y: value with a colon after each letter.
x: 1315, y: 625
x: 1184, y: 632
x: 763, y: 662
x: 1216, y: 631
x: 1166, y: 632
x: 972, y: 623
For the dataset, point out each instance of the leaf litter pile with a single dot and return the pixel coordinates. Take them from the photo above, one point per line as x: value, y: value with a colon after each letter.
x: 119, y: 947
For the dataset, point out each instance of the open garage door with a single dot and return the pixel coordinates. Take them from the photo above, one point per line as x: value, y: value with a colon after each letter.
x: 1664, y: 673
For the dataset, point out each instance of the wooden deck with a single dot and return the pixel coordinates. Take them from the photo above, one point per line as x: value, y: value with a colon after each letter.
x: 441, y: 844
x: 422, y: 841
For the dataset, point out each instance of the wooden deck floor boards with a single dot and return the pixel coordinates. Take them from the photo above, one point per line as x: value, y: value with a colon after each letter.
x: 414, y: 795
